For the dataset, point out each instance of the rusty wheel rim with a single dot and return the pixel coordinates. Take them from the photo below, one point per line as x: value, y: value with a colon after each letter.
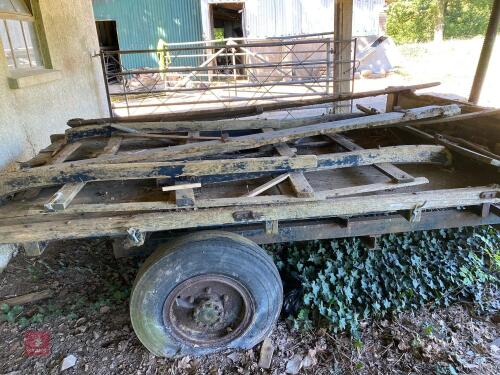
x: 208, y: 310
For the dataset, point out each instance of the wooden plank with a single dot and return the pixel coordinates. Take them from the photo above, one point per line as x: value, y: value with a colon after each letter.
x: 112, y: 146
x: 181, y: 186
x: 65, y: 152
x: 71, y: 172
x: 246, y: 142
x: 28, y: 298
x: 213, y: 202
x: 467, y: 144
x: 388, y: 169
x: 299, y: 183
x: 186, y: 197
x: 216, y: 114
x: 44, y: 156
x: 183, y: 219
x: 462, y: 117
x: 456, y: 148
x: 268, y: 185
x: 63, y: 198
x: 88, y: 131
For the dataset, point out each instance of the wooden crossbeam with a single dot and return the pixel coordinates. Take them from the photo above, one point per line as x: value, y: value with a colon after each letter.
x: 64, y: 196
x: 222, y: 202
x: 65, y: 153
x: 181, y: 187
x: 186, y: 151
x: 388, y: 169
x: 183, y: 219
x: 69, y: 172
x: 268, y: 185
x: 479, y: 157
x: 298, y: 181
x: 185, y: 197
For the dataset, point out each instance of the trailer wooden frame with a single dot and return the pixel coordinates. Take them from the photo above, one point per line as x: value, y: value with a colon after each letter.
x: 51, y: 201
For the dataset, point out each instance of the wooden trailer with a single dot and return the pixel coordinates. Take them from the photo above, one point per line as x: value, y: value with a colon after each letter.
x: 206, y: 193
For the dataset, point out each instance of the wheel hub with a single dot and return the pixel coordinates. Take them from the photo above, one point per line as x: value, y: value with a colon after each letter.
x: 208, y: 310
x: 208, y: 313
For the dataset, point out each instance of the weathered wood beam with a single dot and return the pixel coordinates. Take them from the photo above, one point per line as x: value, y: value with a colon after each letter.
x: 388, y: 169
x: 455, y: 147
x: 268, y: 185
x: 181, y: 187
x: 186, y: 197
x: 71, y: 173
x: 213, y: 202
x: 89, y: 131
x: 256, y: 140
x: 297, y: 180
x: 63, y: 198
x: 28, y: 298
x: 183, y: 219
x: 65, y: 153
x: 216, y: 114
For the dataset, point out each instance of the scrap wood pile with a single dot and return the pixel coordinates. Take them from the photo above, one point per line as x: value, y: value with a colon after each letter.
x: 181, y: 156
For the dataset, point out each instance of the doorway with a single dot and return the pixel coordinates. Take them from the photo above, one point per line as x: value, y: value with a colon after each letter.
x: 108, y: 41
x: 227, y: 22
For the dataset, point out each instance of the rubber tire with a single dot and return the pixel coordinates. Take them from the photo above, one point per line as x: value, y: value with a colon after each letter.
x: 197, y: 254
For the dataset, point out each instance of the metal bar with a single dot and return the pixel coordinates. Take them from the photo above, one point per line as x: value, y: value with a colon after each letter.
x: 265, y: 44
x: 220, y: 100
x: 484, y: 58
x: 106, y: 85
x: 219, y: 67
x: 243, y: 85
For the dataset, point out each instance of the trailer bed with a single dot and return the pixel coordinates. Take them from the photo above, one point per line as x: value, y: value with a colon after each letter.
x: 360, y: 198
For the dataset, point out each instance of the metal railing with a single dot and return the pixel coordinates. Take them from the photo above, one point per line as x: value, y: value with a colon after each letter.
x: 223, y: 73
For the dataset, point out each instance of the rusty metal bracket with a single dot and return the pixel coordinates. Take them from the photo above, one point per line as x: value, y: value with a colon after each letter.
x: 415, y: 214
x: 272, y: 227
x: 489, y: 194
x: 34, y: 249
x: 135, y: 237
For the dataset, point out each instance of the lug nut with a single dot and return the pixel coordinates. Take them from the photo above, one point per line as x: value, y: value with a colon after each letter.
x: 208, y: 290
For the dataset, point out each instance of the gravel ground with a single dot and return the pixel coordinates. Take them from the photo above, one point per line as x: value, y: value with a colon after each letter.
x: 87, y: 317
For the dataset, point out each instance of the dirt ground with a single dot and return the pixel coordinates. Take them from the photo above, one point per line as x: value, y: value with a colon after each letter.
x: 451, y: 62
x: 87, y: 317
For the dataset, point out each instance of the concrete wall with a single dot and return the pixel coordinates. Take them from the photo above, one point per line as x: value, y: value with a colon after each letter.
x: 29, y: 115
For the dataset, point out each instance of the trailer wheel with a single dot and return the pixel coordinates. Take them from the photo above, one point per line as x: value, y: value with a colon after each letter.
x: 203, y: 293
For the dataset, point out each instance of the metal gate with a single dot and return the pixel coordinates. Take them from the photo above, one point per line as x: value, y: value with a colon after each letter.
x: 225, y: 73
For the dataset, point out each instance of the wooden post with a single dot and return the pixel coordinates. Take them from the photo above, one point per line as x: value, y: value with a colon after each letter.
x: 342, y: 52
x: 484, y: 59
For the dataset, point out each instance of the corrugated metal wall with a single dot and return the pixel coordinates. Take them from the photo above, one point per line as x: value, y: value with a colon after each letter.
x: 141, y: 24
x: 366, y: 17
x: 268, y: 18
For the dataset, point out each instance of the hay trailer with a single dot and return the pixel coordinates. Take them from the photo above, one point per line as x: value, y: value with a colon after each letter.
x: 205, y: 194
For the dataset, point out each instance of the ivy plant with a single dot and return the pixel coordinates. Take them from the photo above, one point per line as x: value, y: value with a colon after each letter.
x: 345, y: 282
